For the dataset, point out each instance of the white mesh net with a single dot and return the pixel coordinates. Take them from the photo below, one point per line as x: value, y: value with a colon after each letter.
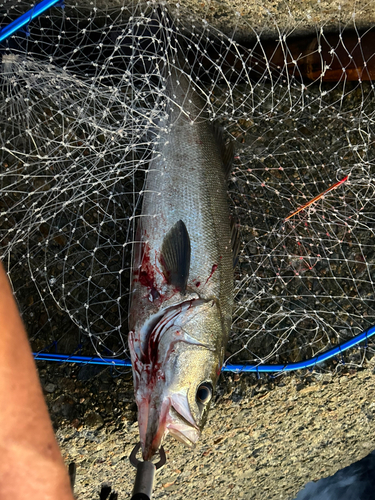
x: 79, y: 101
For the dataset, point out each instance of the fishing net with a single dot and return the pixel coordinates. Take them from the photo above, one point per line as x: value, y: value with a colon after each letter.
x: 81, y: 95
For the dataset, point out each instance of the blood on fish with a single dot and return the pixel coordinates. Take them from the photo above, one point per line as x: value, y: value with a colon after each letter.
x: 146, y: 273
x: 214, y: 267
x: 151, y: 364
x: 154, y: 339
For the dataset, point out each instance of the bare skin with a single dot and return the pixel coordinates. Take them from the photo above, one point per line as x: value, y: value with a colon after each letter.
x: 31, y: 465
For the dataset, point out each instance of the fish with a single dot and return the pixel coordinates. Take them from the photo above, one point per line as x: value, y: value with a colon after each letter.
x: 182, y: 272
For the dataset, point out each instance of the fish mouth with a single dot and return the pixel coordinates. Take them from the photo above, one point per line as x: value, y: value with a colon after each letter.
x: 169, y: 420
x: 181, y: 429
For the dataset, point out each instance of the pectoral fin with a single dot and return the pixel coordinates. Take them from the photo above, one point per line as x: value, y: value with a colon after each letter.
x: 175, y: 256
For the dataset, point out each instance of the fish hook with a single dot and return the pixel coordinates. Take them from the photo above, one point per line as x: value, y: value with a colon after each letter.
x: 144, y: 479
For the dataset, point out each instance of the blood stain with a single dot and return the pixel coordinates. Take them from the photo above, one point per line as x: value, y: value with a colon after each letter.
x: 146, y: 273
x: 214, y: 267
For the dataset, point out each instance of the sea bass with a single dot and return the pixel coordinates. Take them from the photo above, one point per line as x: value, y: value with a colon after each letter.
x: 182, y: 274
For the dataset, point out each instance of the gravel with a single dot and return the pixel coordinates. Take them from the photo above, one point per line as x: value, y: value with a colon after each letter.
x: 241, y: 16
x: 265, y: 439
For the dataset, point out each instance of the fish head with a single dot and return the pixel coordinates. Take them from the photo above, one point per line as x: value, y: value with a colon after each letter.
x: 173, y: 393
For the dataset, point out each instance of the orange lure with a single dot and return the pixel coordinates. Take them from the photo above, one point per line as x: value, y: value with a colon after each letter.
x: 302, y: 207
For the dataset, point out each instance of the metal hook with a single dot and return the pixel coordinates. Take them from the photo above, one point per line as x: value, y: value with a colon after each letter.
x: 134, y: 460
x: 144, y: 479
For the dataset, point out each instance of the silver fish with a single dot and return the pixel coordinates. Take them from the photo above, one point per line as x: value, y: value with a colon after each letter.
x: 182, y: 281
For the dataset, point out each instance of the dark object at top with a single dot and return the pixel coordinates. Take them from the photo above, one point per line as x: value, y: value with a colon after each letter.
x: 334, y: 57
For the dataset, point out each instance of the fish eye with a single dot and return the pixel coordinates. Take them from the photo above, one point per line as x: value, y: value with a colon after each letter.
x: 204, y: 393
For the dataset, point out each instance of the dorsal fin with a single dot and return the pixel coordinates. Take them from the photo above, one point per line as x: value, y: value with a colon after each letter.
x: 175, y: 256
x: 226, y: 149
x: 235, y: 240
